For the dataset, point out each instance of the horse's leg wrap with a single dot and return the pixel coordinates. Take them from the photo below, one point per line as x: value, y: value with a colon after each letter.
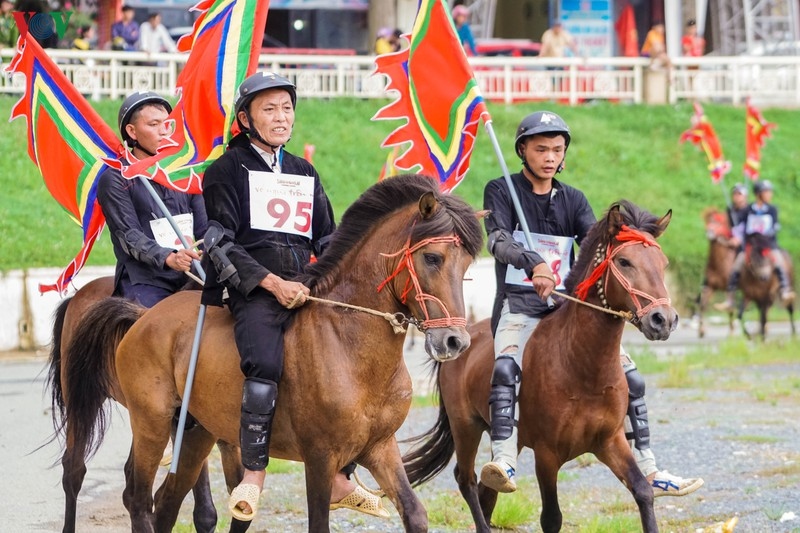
x: 637, y: 410
x: 258, y: 408
x: 503, y: 398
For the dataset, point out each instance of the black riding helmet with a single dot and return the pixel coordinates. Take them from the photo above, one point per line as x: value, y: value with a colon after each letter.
x: 254, y: 84
x: 134, y: 102
x: 761, y: 186
x: 538, y: 123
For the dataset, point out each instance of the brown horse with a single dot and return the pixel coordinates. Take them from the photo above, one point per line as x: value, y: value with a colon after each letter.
x: 759, y: 282
x: 721, y: 253
x: 402, y: 247
x: 573, y: 397
x: 76, y: 440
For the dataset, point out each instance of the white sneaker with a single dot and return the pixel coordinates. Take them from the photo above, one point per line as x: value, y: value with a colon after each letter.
x: 665, y: 484
x: 497, y: 475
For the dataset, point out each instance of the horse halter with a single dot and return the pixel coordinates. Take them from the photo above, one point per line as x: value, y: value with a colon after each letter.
x: 604, y: 261
x: 413, y: 282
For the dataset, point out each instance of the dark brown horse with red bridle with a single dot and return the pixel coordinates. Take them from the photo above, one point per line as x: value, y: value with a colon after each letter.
x: 76, y: 440
x: 402, y: 249
x: 721, y: 253
x: 573, y: 395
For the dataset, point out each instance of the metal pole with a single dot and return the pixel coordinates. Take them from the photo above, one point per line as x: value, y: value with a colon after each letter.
x: 187, y: 388
x: 514, y: 198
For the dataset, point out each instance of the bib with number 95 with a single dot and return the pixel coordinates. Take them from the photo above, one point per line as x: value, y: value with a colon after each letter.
x: 281, y: 202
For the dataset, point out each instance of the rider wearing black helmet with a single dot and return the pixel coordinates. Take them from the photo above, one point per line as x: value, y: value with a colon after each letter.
x: 256, y: 255
x: 524, y: 281
x: 761, y: 217
x: 150, y: 260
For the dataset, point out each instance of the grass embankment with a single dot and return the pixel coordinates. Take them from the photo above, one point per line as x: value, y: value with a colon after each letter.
x: 618, y: 151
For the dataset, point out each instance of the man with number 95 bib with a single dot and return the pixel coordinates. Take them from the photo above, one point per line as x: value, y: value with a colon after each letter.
x: 268, y: 213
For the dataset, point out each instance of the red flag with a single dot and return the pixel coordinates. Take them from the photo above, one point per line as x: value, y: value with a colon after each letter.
x: 627, y: 36
x: 439, y: 98
x: 68, y: 141
x: 757, y: 130
x: 702, y: 135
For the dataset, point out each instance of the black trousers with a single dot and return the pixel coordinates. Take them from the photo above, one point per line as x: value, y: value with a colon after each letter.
x: 260, y: 322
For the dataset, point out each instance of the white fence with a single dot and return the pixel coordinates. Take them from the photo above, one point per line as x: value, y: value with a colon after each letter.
x: 769, y: 80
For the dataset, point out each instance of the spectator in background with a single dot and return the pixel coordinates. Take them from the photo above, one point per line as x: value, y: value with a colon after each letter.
x: 125, y: 32
x: 655, y: 47
x: 556, y: 40
x: 86, y: 39
x: 8, y: 26
x: 460, y: 17
x: 383, y: 44
x: 154, y: 37
x: 693, y: 45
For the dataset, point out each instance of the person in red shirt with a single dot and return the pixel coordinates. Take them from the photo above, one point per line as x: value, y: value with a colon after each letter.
x: 692, y: 44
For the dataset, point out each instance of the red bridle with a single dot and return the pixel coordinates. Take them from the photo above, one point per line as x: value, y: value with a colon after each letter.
x: 413, y: 282
x: 626, y: 237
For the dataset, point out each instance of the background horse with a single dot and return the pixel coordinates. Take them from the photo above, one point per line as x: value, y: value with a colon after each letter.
x: 759, y: 282
x: 573, y: 396
x: 402, y: 247
x: 76, y: 440
x: 721, y: 253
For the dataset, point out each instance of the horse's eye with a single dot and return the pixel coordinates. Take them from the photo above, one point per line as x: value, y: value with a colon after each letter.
x: 433, y: 260
x: 624, y: 263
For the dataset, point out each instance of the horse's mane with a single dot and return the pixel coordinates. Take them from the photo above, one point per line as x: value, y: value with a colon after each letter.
x: 632, y: 216
x: 381, y: 200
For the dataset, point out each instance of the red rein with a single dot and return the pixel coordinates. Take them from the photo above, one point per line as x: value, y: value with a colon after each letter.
x: 627, y: 237
x: 412, y: 281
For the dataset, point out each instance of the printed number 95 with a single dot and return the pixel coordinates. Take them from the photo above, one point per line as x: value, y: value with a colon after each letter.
x: 281, y: 211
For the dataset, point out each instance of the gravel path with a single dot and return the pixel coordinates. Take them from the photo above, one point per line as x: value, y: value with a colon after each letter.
x: 738, y: 429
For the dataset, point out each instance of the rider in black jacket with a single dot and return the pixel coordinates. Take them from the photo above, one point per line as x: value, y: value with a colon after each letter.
x: 558, y: 216
x: 151, y: 262
x: 269, y: 213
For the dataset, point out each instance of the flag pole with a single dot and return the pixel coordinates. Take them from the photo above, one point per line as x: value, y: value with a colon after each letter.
x: 187, y: 388
x: 514, y: 198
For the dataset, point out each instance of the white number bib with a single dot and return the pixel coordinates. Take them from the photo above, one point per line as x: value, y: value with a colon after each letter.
x: 165, y: 235
x: 554, y: 250
x: 759, y: 224
x: 281, y: 202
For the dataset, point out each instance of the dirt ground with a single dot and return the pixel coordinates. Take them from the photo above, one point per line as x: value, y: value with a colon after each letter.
x: 738, y: 429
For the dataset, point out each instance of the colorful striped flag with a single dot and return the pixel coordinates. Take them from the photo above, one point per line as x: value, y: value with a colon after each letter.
x: 438, y: 98
x: 68, y: 141
x: 702, y: 135
x: 757, y: 130
x: 225, y: 44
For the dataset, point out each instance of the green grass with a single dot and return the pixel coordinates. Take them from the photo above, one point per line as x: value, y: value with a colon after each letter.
x: 618, y: 151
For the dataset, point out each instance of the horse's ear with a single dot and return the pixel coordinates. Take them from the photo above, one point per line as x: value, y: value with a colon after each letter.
x: 615, y: 221
x: 428, y: 205
x: 662, y: 223
x: 483, y: 213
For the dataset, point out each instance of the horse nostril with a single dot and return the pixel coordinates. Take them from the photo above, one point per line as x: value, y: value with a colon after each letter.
x: 657, y: 319
x: 454, y: 344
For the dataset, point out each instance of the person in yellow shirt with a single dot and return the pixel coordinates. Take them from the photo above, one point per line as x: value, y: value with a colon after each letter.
x: 655, y: 47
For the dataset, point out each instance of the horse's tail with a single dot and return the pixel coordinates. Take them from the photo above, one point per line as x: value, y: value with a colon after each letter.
x: 90, y: 372
x: 431, y: 452
x: 53, y: 381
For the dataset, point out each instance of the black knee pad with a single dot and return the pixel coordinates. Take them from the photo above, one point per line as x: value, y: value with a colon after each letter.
x: 258, y: 408
x: 503, y: 398
x: 637, y: 410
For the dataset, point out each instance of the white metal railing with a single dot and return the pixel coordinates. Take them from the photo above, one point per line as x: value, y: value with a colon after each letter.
x: 768, y: 80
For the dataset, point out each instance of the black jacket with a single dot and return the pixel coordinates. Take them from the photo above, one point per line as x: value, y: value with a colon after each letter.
x: 129, y: 208
x: 256, y: 253
x: 568, y: 215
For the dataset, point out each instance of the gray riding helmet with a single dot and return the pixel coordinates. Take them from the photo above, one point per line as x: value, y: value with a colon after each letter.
x: 761, y: 186
x: 540, y: 122
x: 254, y: 84
x: 134, y: 102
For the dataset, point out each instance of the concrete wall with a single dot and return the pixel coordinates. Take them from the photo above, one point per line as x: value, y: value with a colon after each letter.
x: 26, y: 320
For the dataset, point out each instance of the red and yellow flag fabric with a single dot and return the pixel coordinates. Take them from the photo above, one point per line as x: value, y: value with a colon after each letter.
x: 757, y: 131
x: 225, y: 44
x: 702, y: 135
x: 438, y: 98
x: 68, y: 141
